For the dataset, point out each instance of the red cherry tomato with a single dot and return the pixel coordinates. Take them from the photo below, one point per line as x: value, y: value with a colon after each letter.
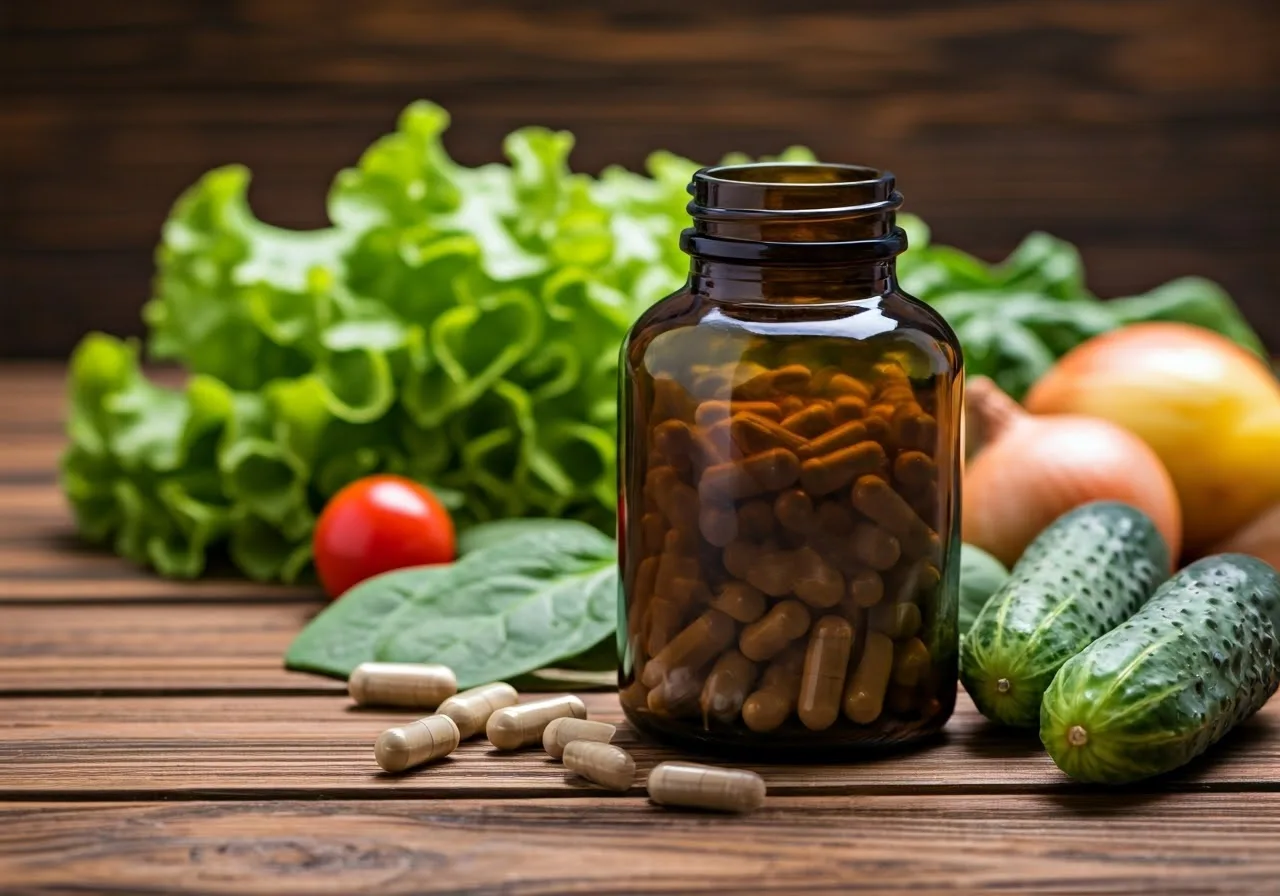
x: 377, y: 524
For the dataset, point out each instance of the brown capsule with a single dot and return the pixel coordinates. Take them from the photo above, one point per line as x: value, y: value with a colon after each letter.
x: 673, y: 564
x: 752, y: 434
x: 812, y: 420
x: 738, y: 557
x: 710, y: 413
x: 930, y: 578
x: 689, y: 592
x: 897, y: 620
x: 704, y: 638
x: 756, y: 520
x: 813, y: 580
x: 471, y: 709
x: 877, y: 500
x: 705, y: 787
x: 914, y: 471
x: 676, y: 697
x: 822, y: 681
x: 764, y: 385
x: 677, y: 500
x: 848, y: 408
x: 645, y: 577
x: 842, y: 436
x: 866, y: 588
x: 519, y: 726
x: 794, y: 509
x: 842, y: 385
x: 634, y: 696
x: 769, y: 635
x: 770, y: 571
x: 834, y: 518
x: 790, y: 404
x: 653, y: 530
x: 910, y: 662
x: 670, y: 401
x: 823, y: 475
x: 864, y: 697
x: 676, y: 438
x: 770, y: 704
x: 877, y: 428
x: 718, y: 524
x: 666, y: 617
x: 874, y: 546
x: 422, y: 741
x: 739, y: 601
x: 561, y: 732
x: 727, y: 686
x: 902, y: 584
x: 600, y: 763
x: 913, y: 428
x: 765, y: 472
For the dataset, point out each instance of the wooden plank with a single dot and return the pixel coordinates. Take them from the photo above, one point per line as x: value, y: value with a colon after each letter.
x: 242, y: 747
x: 1068, y: 843
x: 137, y: 647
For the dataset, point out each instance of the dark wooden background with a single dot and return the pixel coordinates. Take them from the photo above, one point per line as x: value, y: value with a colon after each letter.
x: 1144, y: 130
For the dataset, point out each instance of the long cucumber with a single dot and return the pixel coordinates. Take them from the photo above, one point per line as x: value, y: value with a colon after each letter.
x: 1159, y: 690
x: 1084, y: 575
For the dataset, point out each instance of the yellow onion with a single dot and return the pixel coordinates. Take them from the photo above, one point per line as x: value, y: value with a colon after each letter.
x: 1030, y: 470
x: 1207, y: 407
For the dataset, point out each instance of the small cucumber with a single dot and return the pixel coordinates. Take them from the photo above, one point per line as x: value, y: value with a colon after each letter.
x: 1084, y: 575
x: 1158, y: 691
x: 981, y: 575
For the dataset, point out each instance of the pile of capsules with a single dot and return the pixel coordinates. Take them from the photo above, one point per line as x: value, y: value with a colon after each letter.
x: 788, y: 556
x: 560, y: 723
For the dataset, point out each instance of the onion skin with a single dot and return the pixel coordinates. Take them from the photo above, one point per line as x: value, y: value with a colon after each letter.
x: 1209, y: 409
x: 1034, y: 469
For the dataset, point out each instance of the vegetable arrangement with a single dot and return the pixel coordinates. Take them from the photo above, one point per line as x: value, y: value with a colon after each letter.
x: 1124, y: 679
x: 458, y: 326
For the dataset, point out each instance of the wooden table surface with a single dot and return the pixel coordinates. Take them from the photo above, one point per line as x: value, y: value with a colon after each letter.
x: 151, y: 742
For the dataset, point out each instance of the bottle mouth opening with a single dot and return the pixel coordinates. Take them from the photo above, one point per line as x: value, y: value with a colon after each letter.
x: 815, y: 212
x: 792, y: 187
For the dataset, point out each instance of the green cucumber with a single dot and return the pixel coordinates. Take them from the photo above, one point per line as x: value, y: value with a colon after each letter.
x: 981, y: 575
x: 1158, y: 691
x: 1084, y: 575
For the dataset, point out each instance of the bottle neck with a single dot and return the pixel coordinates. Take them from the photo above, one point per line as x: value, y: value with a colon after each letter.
x: 793, y: 233
x: 722, y: 281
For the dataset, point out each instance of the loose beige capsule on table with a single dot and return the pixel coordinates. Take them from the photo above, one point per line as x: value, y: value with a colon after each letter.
x: 600, y: 763
x: 561, y: 732
x: 422, y: 741
x: 705, y: 787
x: 519, y: 726
x: 420, y: 685
x: 471, y: 709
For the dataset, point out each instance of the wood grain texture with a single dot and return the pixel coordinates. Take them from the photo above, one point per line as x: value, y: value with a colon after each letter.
x: 1193, y: 843
x: 1144, y: 130
x: 240, y: 746
x: 176, y: 648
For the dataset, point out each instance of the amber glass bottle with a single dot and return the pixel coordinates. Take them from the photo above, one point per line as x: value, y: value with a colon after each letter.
x: 789, y: 478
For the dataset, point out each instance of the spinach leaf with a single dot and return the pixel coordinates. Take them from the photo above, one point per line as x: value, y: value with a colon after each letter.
x: 344, y: 634
x: 500, y: 532
x: 510, y: 609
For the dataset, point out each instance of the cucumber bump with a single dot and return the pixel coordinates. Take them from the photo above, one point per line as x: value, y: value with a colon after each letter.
x: 1081, y: 577
x: 1159, y: 690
